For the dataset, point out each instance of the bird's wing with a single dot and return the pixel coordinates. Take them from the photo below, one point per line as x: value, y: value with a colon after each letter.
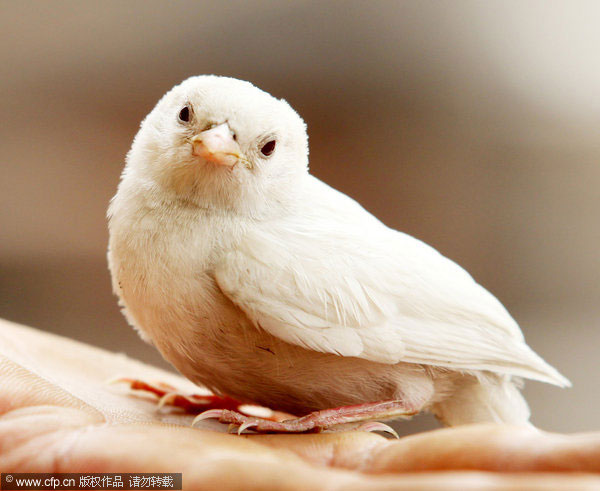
x: 336, y: 280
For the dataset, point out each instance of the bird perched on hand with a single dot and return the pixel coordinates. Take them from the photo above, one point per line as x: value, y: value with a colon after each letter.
x: 262, y: 283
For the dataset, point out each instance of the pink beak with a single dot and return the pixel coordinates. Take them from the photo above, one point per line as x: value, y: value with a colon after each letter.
x: 217, y: 145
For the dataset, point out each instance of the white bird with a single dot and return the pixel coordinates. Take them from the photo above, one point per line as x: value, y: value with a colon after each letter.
x: 262, y: 283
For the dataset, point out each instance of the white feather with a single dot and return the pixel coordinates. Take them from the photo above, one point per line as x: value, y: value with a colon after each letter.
x: 332, y: 278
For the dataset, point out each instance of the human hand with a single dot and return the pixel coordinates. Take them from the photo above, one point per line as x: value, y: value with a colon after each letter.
x: 58, y: 414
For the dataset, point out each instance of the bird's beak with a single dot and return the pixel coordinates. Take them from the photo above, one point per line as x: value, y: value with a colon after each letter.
x: 217, y: 145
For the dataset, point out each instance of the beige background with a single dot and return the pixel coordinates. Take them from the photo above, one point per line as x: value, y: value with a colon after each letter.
x: 471, y: 125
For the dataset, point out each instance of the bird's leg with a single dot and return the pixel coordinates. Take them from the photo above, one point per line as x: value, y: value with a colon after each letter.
x: 319, y: 420
x: 228, y: 410
x: 190, y: 403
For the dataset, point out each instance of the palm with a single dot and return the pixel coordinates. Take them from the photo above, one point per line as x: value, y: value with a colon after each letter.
x: 59, y: 415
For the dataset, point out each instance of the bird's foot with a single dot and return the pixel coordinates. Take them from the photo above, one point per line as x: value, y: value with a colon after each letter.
x: 190, y: 403
x: 317, y: 421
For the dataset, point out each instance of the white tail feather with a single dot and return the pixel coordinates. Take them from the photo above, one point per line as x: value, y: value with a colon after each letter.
x: 486, y: 399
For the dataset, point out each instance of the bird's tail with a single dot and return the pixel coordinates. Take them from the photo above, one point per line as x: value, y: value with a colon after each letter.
x: 483, y: 399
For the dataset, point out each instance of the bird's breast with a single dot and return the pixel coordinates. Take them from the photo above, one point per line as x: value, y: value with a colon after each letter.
x: 161, y: 264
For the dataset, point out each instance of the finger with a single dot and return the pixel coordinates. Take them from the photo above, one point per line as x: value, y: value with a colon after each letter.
x: 489, y: 447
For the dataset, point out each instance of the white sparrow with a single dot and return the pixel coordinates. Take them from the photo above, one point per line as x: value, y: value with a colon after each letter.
x: 262, y: 283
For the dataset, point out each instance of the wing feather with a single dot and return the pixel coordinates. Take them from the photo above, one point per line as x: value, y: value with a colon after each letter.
x: 335, y: 279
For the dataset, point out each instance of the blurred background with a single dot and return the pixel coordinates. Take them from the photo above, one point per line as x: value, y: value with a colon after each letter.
x: 473, y: 126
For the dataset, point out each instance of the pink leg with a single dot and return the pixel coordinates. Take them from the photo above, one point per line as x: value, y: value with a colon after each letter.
x: 190, y: 403
x: 319, y: 420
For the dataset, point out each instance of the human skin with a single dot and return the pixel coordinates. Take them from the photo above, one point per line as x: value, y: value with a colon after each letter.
x: 58, y: 414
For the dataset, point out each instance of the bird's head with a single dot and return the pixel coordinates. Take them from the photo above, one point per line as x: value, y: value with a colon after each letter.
x: 221, y: 143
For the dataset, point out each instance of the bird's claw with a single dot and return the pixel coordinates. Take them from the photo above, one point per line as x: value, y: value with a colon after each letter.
x: 246, y: 425
x: 119, y: 380
x: 166, y: 400
x: 210, y: 414
x: 377, y: 426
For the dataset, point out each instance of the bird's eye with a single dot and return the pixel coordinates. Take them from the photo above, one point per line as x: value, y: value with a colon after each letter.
x: 184, y: 114
x: 268, y: 148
